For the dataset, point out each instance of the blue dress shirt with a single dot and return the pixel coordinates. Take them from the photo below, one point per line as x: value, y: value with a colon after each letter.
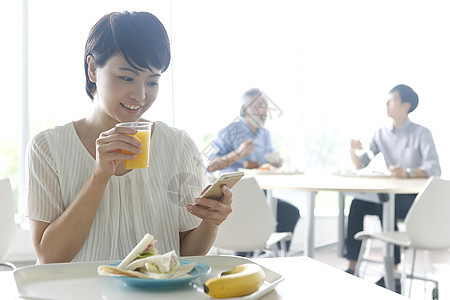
x: 229, y: 138
x: 410, y: 146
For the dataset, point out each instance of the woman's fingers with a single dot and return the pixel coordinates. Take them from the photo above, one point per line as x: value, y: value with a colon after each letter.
x: 213, y: 211
x: 227, y: 195
x: 117, y: 140
x: 114, y: 146
x: 120, y: 134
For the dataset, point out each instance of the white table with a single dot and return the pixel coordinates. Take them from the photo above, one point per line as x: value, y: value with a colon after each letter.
x: 305, y: 278
x: 365, y: 188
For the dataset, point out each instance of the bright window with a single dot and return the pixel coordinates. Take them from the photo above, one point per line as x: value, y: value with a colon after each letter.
x: 10, y: 82
x: 327, y: 66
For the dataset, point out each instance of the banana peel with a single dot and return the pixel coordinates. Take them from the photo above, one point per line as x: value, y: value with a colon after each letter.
x: 240, y: 281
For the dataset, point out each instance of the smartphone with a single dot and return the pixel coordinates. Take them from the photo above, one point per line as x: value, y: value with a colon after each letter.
x: 230, y: 179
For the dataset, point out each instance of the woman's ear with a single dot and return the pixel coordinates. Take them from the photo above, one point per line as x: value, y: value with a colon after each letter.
x: 92, y: 68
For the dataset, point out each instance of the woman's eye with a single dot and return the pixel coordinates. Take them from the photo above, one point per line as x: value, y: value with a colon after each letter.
x: 124, y: 78
x: 152, y: 83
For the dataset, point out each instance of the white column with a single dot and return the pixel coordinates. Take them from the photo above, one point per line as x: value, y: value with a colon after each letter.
x: 24, y: 124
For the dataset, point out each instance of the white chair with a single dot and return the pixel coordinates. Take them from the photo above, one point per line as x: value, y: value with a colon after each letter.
x: 251, y: 225
x: 7, y: 225
x: 427, y: 226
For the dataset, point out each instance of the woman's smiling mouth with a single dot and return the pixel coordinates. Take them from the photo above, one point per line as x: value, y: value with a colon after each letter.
x: 131, y: 106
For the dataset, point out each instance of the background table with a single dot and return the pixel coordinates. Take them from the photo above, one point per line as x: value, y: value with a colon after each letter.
x: 314, y: 183
x: 364, y: 187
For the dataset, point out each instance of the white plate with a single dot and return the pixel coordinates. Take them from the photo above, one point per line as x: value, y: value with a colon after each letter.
x: 363, y: 175
x: 81, y: 281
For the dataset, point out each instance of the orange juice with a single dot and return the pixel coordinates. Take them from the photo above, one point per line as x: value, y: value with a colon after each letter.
x: 142, y: 160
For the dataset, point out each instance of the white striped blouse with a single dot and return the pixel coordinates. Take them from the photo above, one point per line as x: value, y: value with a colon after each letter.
x: 149, y: 200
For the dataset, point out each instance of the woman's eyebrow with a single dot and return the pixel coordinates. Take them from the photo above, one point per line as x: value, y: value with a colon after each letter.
x: 130, y: 70
x: 136, y: 72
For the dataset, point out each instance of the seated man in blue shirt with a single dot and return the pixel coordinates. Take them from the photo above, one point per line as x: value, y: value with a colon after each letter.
x: 409, y: 151
x: 247, y: 144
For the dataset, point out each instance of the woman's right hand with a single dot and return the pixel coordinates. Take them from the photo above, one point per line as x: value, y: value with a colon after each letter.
x: 109, y: 146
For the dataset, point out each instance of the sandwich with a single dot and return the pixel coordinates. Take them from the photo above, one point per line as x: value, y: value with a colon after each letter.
x: 145, y: 248
x: 145, y: 262
x: 156, y: 266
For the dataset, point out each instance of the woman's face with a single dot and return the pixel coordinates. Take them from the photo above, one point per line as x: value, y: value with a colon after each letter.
x: 124, y: 93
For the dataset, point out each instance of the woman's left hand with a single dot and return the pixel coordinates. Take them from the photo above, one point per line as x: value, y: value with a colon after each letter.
x: 213, y: 211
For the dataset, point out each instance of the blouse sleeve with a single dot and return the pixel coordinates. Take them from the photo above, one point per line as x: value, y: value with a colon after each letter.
x: 42, y: 189
x: 192, y: 180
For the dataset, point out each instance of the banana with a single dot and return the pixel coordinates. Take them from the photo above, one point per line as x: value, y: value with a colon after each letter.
x: 240, y: 281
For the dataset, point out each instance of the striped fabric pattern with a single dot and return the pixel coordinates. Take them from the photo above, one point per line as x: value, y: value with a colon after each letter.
x: 149, y: 200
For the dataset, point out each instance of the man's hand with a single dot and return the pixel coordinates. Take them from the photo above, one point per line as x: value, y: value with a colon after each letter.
x: 397, y: 171
x: 245, y: 148
x: 356, y: 145
x: 222, y: 162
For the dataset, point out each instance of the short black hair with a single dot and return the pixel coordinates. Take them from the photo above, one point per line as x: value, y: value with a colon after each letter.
x: 407, y: 94
x: 138, y: 36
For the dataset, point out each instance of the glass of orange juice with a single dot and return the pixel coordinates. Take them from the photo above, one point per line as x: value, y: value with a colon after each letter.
x: 144, y: 133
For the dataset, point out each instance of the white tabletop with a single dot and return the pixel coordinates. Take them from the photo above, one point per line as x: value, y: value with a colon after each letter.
x: 338, y: 183
x: 305, y: 278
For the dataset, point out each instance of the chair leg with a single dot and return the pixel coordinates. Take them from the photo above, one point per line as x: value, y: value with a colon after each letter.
x: 360, y: 256
x: 371, y: 227
x: 366, y: 255
x: 435, y: 292
x: 272, y: 250
x: 426, y: 258
x: 283, y: 248
x: 389, y: 279
x: 403, y: 279
x: 412, y: 271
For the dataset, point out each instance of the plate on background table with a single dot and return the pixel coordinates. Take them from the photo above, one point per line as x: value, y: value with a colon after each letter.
x: 271, y: 172
x: 358, y: 173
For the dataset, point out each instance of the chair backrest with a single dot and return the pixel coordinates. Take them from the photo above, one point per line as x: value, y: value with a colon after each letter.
x: 251, y: 223
x: 428, y: 220
x: 7, y: 225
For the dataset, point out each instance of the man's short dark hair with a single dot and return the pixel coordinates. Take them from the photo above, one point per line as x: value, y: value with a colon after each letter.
x: 407, y: 94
